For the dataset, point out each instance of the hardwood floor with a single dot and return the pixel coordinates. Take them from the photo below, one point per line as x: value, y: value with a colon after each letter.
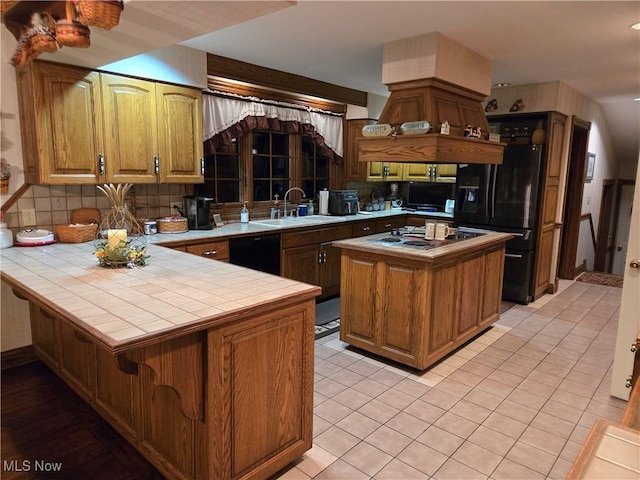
x: 44, y: 421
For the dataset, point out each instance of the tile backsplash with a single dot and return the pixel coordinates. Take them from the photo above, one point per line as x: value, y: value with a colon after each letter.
x: 53, y: 203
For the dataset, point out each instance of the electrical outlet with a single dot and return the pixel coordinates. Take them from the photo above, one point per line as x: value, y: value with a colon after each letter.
x: 28, y: 217
x: 175, y: 207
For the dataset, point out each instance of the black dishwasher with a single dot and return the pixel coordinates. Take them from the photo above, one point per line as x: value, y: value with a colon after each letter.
x: 260, y: 252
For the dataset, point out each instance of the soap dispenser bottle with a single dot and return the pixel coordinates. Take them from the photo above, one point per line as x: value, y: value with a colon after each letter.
x: 244, y: 213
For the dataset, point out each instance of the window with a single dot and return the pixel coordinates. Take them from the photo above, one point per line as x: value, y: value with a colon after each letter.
x: 221, y: 174
x: 314, y: 168
x: 270, y: 165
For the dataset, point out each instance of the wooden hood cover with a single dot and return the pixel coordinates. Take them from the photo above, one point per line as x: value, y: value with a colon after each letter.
x: 432, y: 78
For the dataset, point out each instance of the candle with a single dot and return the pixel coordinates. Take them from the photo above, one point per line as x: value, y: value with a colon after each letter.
x: 114, y: 237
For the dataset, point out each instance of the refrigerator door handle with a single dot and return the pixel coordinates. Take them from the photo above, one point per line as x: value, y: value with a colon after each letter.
x: 494, y: 175
x: 488, y: 203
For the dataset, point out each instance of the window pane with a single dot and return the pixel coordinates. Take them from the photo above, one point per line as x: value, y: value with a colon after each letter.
x: 228, y: 192
x: 209, y: 166
x: 307, y: 186
x: 322, y: 167
x: 228, y: 166
x: 261, y: 142
x: 308, y: 147
x: 261, y: 191
x: 307, y: 166
x: 321, y: 184
x: 280, y: 144
x: 279, y: 188
x: 260, y: 167
x: 280, y: 168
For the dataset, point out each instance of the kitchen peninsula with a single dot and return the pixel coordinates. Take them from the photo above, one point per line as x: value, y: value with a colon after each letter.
x: 416, y: 305
x: 205, y: 367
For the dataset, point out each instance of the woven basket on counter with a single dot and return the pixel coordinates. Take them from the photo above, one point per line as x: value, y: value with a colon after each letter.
x: 99, y: 13
x: 172, y: 225
x: 76, y: 233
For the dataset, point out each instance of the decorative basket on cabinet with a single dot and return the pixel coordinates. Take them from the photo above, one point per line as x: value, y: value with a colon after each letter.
x: 71, y: 33
x: 99, y: 13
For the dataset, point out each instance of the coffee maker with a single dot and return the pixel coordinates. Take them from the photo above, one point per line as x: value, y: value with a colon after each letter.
x: 197, y: 212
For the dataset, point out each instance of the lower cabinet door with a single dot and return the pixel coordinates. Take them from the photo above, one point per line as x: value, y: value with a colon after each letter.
x: 301, y: 263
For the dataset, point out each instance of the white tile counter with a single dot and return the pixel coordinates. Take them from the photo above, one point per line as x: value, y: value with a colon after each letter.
x: 125, y: 308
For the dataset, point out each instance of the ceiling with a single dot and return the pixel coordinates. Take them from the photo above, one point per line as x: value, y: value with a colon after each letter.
x: 587, y: 45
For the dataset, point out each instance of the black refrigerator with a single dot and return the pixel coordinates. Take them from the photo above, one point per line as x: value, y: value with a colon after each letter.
x: 505, y: 198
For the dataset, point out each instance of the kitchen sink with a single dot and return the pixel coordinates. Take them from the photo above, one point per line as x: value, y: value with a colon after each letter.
x: 298, y: 221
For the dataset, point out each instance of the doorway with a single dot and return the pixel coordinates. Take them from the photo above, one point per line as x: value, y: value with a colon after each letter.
x: 573, y: 199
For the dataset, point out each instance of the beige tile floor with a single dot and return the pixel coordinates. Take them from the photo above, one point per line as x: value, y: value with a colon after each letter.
x: 515, y: 403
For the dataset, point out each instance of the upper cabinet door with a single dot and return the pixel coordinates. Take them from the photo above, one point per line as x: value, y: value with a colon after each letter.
x: 61, y: 121
x: 131, y: 137
x: 180, y: 134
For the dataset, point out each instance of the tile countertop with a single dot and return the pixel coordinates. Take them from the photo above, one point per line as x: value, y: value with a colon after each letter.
x: 258, y: 226
x: 369, y: 244
x: 124, y: 308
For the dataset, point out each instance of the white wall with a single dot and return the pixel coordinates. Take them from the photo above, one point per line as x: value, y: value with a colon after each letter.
x: 175, y: 64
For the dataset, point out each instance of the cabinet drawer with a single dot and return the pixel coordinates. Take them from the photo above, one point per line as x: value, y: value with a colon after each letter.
x: 315, y: 235
x: 388, y: 224
x: 360, y: 229
x: 212, y: 250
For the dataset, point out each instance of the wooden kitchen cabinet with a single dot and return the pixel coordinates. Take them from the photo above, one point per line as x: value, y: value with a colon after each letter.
x: 131, y: 133
x: 192, y: 404
x: 384, y: 171
x: 380, y: 225
x: 85, y: 127
x: 214, y: 250
x: 154, y: 131
x: 45, y: 335
x: 180, y: 139
x: 355, y: 171
x: 62, y: 124
x: 417, y: 311
x: 417, y: 172
x: 430, y: 172
x: 545, y: 280
x: 308, y: 256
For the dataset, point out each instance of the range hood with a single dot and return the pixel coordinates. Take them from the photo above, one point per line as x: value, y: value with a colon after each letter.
x: 432, y: 78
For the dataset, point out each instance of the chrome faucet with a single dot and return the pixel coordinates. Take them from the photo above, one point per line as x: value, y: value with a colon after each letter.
x: 285, y: 198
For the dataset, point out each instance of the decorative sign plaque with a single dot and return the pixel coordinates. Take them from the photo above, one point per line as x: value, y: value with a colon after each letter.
x: 415, y: 128
x: 380, y: 130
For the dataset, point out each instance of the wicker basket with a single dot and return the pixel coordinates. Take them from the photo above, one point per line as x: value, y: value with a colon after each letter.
x: 99, y: 13
x: 42, y: 34
x: 172, y: 225
x: 76, y: 233
x: 72, y: 34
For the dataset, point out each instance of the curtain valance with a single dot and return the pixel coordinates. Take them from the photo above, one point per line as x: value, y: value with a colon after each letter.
x: 231, y: 116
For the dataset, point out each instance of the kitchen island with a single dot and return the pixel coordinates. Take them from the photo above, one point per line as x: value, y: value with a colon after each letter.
x: 205, y: 367
x: 415, y: 304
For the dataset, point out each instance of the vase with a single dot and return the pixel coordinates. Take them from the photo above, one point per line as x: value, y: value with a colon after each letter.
x: 120, y: 240
x: 538, y: 136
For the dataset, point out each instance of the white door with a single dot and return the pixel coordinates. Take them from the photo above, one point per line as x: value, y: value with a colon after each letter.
x: 623, y: 230
x: 629, y: 323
